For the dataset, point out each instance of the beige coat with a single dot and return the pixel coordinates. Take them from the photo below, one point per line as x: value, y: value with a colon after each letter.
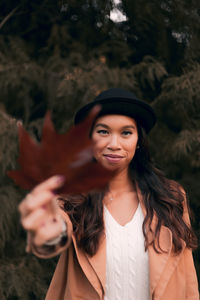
x: 78, y: 276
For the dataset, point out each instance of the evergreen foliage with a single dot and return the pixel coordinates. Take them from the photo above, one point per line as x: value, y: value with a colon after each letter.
x: 58, y: 55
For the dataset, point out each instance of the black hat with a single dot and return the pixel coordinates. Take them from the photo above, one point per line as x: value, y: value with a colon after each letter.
x: 120, y: 101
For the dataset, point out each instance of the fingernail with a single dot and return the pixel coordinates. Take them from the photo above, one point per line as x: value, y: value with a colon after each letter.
x: 60, y: 179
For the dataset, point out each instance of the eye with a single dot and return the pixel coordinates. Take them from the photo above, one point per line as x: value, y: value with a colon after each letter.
x: 127, y: 133
x: 102, y: 132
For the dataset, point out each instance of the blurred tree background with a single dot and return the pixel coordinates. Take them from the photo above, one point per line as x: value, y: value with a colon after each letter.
x: 59, y: 54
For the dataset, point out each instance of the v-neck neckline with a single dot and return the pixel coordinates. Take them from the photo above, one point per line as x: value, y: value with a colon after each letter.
x: 114, y: 221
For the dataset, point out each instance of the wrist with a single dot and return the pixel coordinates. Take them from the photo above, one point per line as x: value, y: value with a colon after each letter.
x: 58, y: 239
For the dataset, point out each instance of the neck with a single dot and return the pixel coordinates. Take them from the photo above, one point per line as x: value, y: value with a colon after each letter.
x: 121, y: 183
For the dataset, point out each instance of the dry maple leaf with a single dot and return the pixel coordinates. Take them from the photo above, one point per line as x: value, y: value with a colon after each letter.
x: 69, y: 154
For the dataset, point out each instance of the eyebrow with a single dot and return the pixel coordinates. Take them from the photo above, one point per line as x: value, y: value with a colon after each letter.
x: 107, y: 127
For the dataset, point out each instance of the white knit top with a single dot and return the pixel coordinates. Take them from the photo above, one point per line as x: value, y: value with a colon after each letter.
x: 127, y: 268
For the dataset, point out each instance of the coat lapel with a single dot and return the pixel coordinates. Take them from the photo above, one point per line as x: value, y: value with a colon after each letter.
x: 157, y: 261
x: 94, y: 267
x: 161, y: 265
x: 98, y: 262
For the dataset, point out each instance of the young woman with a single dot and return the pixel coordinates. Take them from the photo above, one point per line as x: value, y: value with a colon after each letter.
x: 132, y: 240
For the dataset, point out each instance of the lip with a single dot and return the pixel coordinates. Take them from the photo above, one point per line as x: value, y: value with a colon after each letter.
x: 113, y: 155
x: 113, y: 158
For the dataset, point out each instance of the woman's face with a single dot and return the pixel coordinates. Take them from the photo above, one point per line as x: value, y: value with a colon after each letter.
x: 115, y: 139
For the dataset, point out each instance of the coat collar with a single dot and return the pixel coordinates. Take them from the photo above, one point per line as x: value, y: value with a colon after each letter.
x: 157, y: 261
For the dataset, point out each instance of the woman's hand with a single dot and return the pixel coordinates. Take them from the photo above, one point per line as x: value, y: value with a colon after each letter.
x: 40, y: 212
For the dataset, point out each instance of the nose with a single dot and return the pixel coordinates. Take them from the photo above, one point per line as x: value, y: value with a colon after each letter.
x: 113, y: 143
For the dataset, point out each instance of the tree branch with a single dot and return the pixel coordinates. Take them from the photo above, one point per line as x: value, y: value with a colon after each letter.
x: 8, y: 16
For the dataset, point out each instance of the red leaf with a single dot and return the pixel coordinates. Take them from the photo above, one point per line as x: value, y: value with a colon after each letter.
x: 69, y: 154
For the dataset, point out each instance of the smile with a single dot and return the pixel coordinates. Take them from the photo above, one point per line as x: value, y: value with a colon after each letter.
x: 113, y: 158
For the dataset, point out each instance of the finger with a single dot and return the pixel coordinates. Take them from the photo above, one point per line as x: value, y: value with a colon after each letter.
x: 32, y: 202
x: 49, y: 184
x: 36, y: 219
x: 49, y: 231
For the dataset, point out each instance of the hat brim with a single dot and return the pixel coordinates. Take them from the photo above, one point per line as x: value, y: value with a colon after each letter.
x: 134, y: 108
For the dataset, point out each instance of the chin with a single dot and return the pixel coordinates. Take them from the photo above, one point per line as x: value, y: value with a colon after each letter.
x: 112, y: 167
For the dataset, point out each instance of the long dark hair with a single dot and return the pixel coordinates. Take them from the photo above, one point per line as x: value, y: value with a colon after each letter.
x: 161, y: 197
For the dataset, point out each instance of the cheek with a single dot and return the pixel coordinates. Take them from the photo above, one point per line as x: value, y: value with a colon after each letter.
x: 131, y: 148
x: 99, y: 146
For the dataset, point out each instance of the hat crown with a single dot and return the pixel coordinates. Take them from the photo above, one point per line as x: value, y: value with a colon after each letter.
x: 122, y: 102
x: 115, y: 93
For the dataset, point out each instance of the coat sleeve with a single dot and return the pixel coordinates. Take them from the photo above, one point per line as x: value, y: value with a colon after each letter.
x: 45, y: 251
x: 192, y: 291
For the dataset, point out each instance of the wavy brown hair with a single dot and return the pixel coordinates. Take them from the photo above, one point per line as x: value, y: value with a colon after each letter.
x: 162, y: 197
